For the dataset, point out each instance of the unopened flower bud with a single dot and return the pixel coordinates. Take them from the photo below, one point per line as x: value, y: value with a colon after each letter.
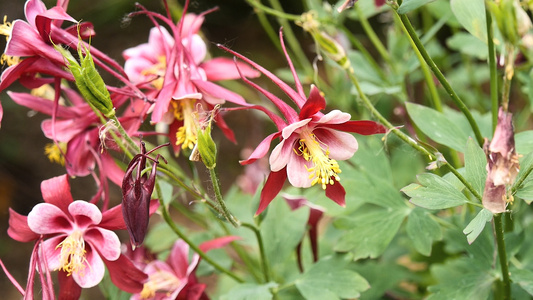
x: 206, y: 147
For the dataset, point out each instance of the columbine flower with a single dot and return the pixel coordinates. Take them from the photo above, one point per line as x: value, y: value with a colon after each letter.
x: 175, y: 277
x: 173, y: 68
x: 79, y: 241
x: 502, y: 165
x: 311, y: 142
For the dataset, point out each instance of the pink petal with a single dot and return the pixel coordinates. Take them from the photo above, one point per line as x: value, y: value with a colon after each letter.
x: 81, y: 210
x: 191, y: 23
x: 341, y: 145
x: 65, y: 130
x: 52, y: 252
x: 335, y: 117
x: 25, y: 41
x: 279, y: 158
x: 41, y: 105
x: 288, y: 131
x: 336, y: 193
x: 112, y: 170
x: 218, y: 242
x: 112, y: 219
x: 314, y: 104
x: 361, y: 127
x: 178, y: 258
x: 93, y: 272
x: 228, y: 133
x: 218, y: 92
x: 297, y: 172
x: 162, y: 102
x: 19, y: 229
x: 196, y: 47
x: 56, y: 191
x: 12, y: 279
x: 291, y: 67
x: 105, y: 241
x: 271, y: 189
x: 32, y: 8
x: 79, y: 158
x: 261, y: 149
x: 125, y: 275
x: 222, y: 68
x: 46, y: 218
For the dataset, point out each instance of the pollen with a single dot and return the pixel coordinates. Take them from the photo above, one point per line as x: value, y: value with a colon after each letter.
x: 323, y: 170
x: 72, y: 258
x: 160, y: 282
x: 5, y: 29
x: 184, y: 110
x: 55, y: 153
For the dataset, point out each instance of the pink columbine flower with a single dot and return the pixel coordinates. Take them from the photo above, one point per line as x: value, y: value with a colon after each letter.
x: 79, y: 241
x: 172, y: 67
x: 175, y: 277
x: 311, y: 142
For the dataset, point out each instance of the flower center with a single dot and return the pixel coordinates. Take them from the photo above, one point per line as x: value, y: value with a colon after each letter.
x: 187, y: 133
x: 160, y: 281
x: 72, y: 258
x: 55, y: 153
x: 5, y: 29
x: 157, y: 71
x: 324, y: 170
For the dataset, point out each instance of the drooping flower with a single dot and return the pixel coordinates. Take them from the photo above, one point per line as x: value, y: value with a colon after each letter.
x: 172, y: 67
x: 79, y: 241
x: 175, y: 277
x: 311, y: 142
x: 502, y: 164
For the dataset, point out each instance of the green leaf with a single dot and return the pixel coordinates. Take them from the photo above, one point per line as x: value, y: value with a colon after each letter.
x: 468, y: 44
x: 330, y: 278
x: 526, y: 192
x: 524, y: 278
x: 409, y: 5
x: 437, y: 126
x: 370, y: 232
x: 524, y: 142
x: 282, y: 230
x: 434, y: 193
x: 475, y: 227
x: 160, y: 237
x: 475, y: 165
x: 471, y: 14
x: 422, y: 230
x: 166, y: 191
x: 250, y: 291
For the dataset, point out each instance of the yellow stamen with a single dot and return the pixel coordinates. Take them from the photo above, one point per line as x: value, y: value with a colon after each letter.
x: 184, y: 110
x: 72, y: 258
x: 5, y: 29
x: 160, y: 281
x: 55, y: 153
x: 158, y: 72
x: 324, y: 170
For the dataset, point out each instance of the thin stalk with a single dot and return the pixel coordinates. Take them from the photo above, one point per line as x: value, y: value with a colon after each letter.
x: 373, y: 36
x: 502, y: 254
x: 355, y: 42
x: 277, y: 13
x: 436, y: 71
x: 264, y: 262
x: 218, y: 195
x: 124, y: 134
x: 195, y: 248
x: 170, y: 174
x: 267, y: 27
x: 435, y: 98
x: 521, y: 180
x: 508, y: 75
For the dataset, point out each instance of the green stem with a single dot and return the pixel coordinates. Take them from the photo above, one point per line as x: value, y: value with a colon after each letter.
x: 355, y: 42
x: 277, y: 13
x: 272, y: 35
x: 168, y: 171
x: 264, y: 262
x: 220, y: 200
x: 195, y: 248
x: 436, y: 71
x: 521, y: 180
x: 508, y: 75
x: 373, y: 36
x: 502, y: 254
x: 124, y: 134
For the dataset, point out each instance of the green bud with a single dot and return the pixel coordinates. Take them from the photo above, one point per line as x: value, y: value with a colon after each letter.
x: 206, y: 147
x: 88, y: 80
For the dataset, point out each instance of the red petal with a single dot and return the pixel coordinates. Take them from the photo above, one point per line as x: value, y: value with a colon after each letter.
x: 314, y: 104
x: 336, y: 193
x: 68, y: 288
x: 363, y: 127
x: 271, y: 189
x: 218, y: 243
x: 19, y: 229
x: 112, y: 219
x: 56, y: 191
x: 125, y: 275
x: 261, y: 150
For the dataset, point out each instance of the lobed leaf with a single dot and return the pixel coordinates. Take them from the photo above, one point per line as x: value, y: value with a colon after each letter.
x: 434, y: 193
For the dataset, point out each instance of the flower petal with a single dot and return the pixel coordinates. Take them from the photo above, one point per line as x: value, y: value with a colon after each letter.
x: 68, y: 288
x: 279, y: 158
x: 287, y: 131
x: 271, y: 189
x: 80, y: 209
x: 46, y: 218
x: 112, y: 219
x: 52, y: 252
x: 336, y: 193
x: 314, y: 104
x: 105, y: 241
x: 178, y: 259
x: 56, y: 191
x: 93, y: 272
x: 362, y: 127
x: 222, y: 68
x: 125, y: 275
x: 218, y: 242
x: 335, y: 117
x: 19, y: 229
x: 261, y: 149
x: 341, y: 145
x: 297, y: 171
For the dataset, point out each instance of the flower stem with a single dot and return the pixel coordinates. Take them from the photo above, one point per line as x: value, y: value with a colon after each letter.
x: 264, y: 262
x: 502, y: 254
x: 436, y: 71
x: 493, y: 70
x: 220, y: 200
x: 124, y: 134
x: 373, y: 36
x: 195, y: 248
